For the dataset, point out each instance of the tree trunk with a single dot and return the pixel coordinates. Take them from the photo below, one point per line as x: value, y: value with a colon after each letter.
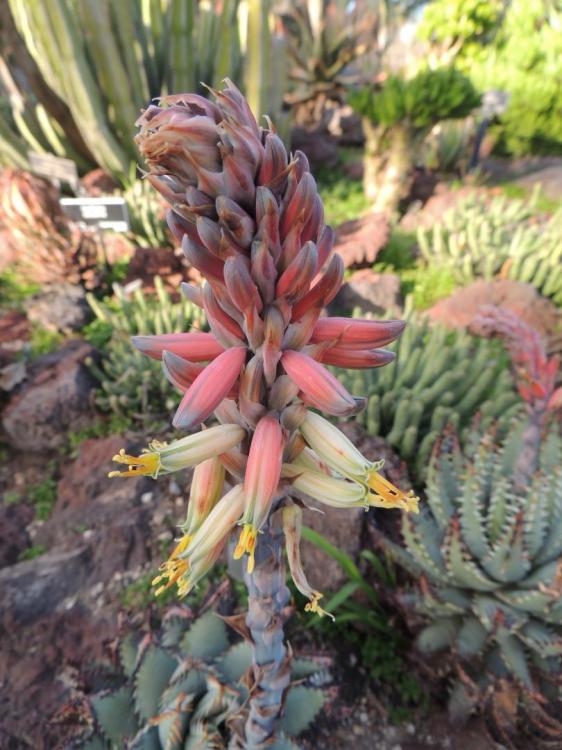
x: 388, y: 165
x: 268, y: 598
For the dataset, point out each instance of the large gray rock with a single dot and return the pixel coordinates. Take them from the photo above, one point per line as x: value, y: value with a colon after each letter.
x: 54, y: 400
x: 60, y: 307
x: 373, y: 292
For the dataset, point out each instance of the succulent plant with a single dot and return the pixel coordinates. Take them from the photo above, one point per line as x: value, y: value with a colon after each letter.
x: 147, y: 212
x: 37, y: 238
x: 488, y: 556
x: 131, y: 385
x: 182, y: 687
x: 438, y: 378
x: 397, y: 116
x: 498, y: 237
x: 250, y: 220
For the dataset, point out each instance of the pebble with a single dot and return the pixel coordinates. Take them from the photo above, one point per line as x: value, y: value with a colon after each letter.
x: 165, y: 536
x: 96, y: 590
x: 88, y: 534
x: 363, y: 718
x: 147, y: 498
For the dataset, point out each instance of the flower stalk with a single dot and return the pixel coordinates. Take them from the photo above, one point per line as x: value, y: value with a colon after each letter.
x: 250, y: 220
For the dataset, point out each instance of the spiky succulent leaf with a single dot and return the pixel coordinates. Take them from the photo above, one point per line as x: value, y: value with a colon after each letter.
x: 206, y: 638
x: 236, y: 661
x: 115, y: 715
x: 301, y: 708
x: 438, y: 635
x: 152, y: 677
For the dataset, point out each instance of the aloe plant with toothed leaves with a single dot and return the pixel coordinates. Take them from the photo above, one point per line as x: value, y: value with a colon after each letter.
x: 250, y: 220
x: 487, y: 551
x: 181, y: 687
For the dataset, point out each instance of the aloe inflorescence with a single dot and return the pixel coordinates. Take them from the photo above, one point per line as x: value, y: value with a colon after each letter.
x: 250, y: 220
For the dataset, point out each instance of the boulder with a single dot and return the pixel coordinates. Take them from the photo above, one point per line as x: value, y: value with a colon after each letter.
x: 360, y: 241
x: 373, y: 292
x: 54, y: 400
x: 60, y: 307
x: 458, y: 310
x: 13, y: 534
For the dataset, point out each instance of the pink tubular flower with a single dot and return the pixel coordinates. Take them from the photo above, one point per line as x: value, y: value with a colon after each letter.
x: 197, y: 347
x: 260, y: 482
x: 356, y: 334
x: 210, y: 388
x: 249, y: 218
x: 318, y: 385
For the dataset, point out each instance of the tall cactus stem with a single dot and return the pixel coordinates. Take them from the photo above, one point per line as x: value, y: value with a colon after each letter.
x: 267, y: 602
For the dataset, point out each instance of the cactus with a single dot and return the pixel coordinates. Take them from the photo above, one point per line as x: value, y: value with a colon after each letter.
x: 132, y: 385
x: 107, y: 60
x: 437, y: 378
x: 182, y: 687
x: 488, y: 554
x: 147, y: 214
x: 498, y: 237
x: 397, y: 117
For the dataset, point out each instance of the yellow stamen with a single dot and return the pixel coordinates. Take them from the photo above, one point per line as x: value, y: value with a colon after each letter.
x: 390, y: 496
x: 313, y: 606
x: 147, y: 464
x: 173, y: 569
x: 247, y: 545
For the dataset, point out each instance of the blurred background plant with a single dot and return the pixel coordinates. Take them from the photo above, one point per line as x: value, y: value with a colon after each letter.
x: 130, y: 385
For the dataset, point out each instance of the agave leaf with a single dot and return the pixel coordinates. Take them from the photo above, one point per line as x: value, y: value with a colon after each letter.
x: 235, y: 662
x: 206, y: 638
x: 474, y: 492
x: 301, y: 708
x: 508, y: 561
x: 552, y: 544
x: 460, y: 566
x: 152, y: 677
x: 173, y: 722
x: 440, y: 634
x: 115, y: 715
x: 216, y: 700
x: 460, y: 704
x: 532, y: 601
x: 537, y: 511
x: 146, y: 739
x: 471, y: 638
x: 174, y: 628
x: 442, y: 489
x: 302, y: 668
x: 501, y: 506
x: 423, y: 548
x: 95, y: 742
x: 203, y: 736
x: 550, y: 453
x: 513, y: 655
x: 541, y: 639
x: 493, y: 614
x: 128, y: 650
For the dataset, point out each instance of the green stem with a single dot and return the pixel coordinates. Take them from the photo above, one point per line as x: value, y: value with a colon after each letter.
x: 268, y: 598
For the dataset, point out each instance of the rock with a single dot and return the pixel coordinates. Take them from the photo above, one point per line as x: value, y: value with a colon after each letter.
x: 343, y: 529
x: 54, y: 400
x: 12, y: 375
x: 373, y: 292
x: 320, y: 147
x: 359, y: 241
x: 35, y: 588
x: 346, y: 126
x: 442, y: 199
x: 60, y: 307
x: 458, y: 310
x: 13, y: 535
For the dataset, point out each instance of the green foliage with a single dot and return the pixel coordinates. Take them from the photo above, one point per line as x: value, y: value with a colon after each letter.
x: 438, y: 378
x: 343, y: 197
x: 14, y: 290
x: 44, y: 495
x: 106, y: 61
x: 481, y: 239
x: 427, y: 285
x: 490, y: 552
x: 525, y: 60
x: 398, y: 255
x: 140, y: 594
x: 44, y: 341
x: 133, y: 386
x: 32, y: 552
x: 184, y: 688
x: 460, y: 24
x: 147, y: 213
x: 363, y: 625
x: 418, y: 102
x: 103, y: 427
